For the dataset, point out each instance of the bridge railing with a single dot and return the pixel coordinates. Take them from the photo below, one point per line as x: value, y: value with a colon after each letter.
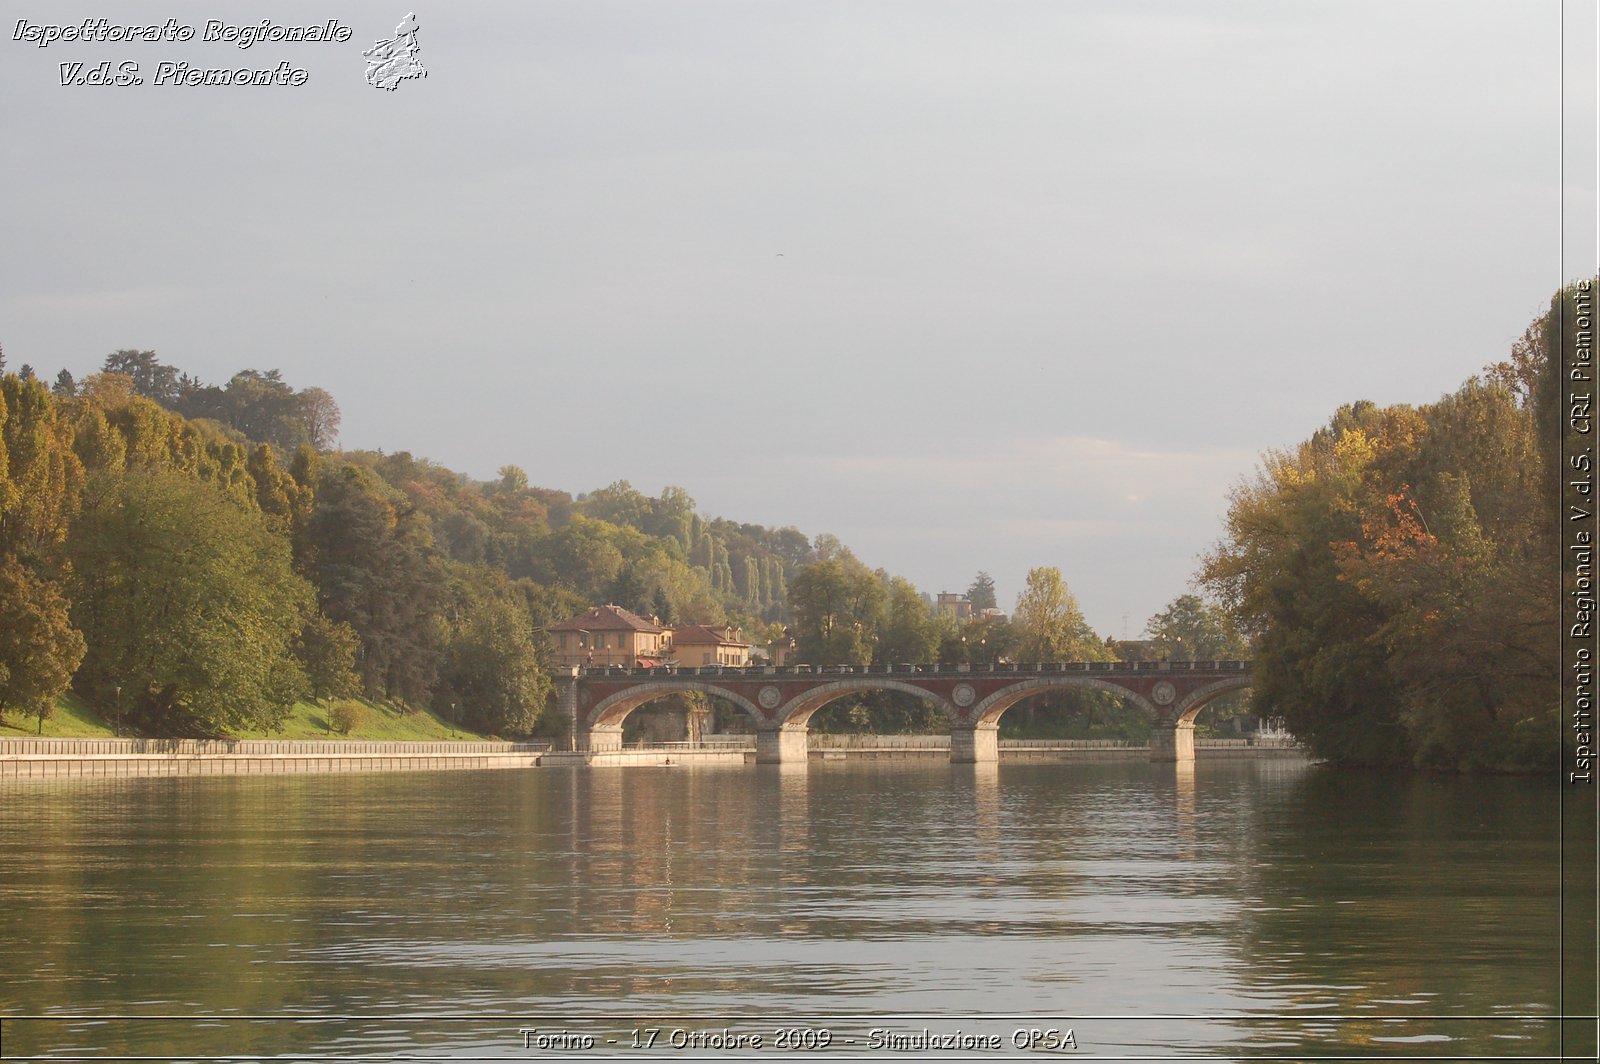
x: 1043, y: 668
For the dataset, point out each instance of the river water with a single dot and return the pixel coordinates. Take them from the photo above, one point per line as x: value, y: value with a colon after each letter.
x: 1236, y: 910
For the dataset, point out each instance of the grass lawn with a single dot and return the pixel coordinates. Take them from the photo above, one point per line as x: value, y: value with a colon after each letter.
x: 75, y: 720
x: 72, y: 720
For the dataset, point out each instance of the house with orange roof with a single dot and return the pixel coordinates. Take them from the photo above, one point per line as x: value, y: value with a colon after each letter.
x: 609, y: 635
x: 704, y: 644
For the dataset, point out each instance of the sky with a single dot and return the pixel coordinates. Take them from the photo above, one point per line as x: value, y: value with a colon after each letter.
x: 970, y: 284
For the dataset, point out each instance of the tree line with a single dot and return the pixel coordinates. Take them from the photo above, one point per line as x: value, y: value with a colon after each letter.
x: 1399, y: 572
x: 193, y: 559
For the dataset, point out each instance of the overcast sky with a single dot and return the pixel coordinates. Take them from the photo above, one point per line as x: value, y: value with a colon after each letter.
x: 971, y: 285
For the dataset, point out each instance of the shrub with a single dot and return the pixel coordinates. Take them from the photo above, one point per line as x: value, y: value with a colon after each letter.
x: 346, y: 715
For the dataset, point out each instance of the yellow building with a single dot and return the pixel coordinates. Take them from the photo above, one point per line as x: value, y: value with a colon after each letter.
x: 609, y: 635
x: 703, y: 644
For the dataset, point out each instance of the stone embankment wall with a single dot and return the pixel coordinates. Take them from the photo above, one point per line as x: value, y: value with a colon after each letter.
x: 59, y: 758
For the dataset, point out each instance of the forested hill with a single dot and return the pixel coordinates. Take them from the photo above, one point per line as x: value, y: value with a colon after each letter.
x: 122, y: 566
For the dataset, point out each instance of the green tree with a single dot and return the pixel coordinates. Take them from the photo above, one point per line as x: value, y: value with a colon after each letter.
x: 39, y: 648
x: 908, y: 633
x: 327, y: 651
x: 981, y: 593
x: 493, y: 671
x: 187, y: 601
x: 1191, y: 629
x: 150, y: 378
x: 838, y: 604
x: 372, y: 559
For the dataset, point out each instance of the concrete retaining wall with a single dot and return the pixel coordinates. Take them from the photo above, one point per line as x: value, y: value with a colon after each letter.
x: 75, y: 758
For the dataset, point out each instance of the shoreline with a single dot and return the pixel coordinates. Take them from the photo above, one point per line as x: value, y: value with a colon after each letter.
x: 134, y: 758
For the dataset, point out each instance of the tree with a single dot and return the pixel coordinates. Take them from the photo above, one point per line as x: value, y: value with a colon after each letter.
x: 1049, y: 625
x: 1191, y: 629
x: 40, y: 475
x: 372, y: 559
x: 187, y: 601
x: 492, y: 669
x: 39, y: 648
x: 150, y: 377
x: 661, y: 606
x: 327, y: 651
x: 838, y: 604
x: 320, y: 415
x: 65, y: 387
x: 1398, y: 569
x: 981, y: 593
x: 909, y: 633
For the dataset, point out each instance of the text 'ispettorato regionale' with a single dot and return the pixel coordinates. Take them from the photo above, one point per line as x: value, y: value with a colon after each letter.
x: 170, y: 72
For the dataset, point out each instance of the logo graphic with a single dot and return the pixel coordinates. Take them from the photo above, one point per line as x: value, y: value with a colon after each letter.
x: 393, y: 61
x: 1164, y: 693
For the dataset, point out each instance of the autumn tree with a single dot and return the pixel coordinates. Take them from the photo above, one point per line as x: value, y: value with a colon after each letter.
x: 1398, y: 571
x: 39, y: 648
x: 40, y: 474
x: 1049, y: 625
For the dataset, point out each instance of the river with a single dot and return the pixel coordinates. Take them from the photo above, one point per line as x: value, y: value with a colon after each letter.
x: 1236, y: 910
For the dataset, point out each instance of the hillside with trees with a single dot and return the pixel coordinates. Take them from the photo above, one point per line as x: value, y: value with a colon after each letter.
x: 200, y: 557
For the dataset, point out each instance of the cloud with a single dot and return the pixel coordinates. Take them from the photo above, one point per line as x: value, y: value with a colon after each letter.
x: 103, y: 301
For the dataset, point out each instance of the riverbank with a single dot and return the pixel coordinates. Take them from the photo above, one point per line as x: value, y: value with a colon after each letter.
x: 73, y: 718
x: 103, y: 758
x: 72, y: 758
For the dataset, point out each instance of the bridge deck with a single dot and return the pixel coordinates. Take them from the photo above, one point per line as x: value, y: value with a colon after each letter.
x: 1047, y: 668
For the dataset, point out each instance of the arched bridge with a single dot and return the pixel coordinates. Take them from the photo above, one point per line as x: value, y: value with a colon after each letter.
x: 781, y: 700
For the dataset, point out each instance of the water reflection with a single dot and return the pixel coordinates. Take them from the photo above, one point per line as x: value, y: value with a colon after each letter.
x: 1227, y: 897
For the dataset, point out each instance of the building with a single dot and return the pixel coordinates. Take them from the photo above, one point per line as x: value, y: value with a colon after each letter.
x: 782, y: 650
x: 704, y: 644
x: 609, y: 635
x: 957, y: 606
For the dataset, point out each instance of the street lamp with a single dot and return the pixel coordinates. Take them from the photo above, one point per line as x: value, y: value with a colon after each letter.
x: 452, y: 720
x: 118, y: 691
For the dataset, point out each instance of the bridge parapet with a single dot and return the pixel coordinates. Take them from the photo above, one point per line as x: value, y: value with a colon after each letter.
x: 1004, y: 668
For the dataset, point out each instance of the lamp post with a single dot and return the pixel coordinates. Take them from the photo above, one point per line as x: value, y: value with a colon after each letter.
x: 452, y: 720
x: 118, y: 691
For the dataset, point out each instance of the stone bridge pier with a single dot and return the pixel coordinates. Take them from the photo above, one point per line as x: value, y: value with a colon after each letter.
x: 777, y: 746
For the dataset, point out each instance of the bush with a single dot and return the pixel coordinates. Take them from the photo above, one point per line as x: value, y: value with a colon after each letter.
x: 346, y: 715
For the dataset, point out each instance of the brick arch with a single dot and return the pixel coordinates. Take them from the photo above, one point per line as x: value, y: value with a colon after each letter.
x: 1191, y: 704
x: 794, y: 714
x: 987, y: 713
x: 610, y: 712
